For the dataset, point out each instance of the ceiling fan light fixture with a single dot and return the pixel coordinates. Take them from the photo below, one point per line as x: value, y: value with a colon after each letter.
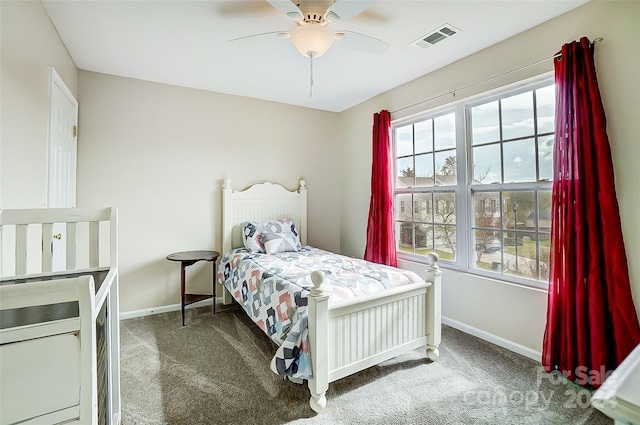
x: 312, y: 39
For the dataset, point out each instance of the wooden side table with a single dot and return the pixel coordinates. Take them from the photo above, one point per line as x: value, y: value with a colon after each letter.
x: 186, y: 259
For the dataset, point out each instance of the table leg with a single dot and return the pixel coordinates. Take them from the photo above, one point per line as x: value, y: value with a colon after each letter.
x: 182, y: 289
x: 215, y: 272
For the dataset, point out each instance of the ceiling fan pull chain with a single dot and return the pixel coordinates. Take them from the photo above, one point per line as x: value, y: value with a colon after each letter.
x: 310, y: 76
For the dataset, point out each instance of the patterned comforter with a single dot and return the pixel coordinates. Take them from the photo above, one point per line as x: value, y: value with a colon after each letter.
x: 273, y: 291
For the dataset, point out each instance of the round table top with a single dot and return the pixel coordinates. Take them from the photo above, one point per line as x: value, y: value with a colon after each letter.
x: 194, y: 256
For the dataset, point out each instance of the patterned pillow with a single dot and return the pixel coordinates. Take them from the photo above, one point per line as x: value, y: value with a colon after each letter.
x: 251, y: 237
x: 279, y: 242
x: 252, y: 233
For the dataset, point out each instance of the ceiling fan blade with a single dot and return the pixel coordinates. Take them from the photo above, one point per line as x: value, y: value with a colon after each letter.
x: 261, y: 36
x: 346, y: 9
x: 361, y: 42
x: 288, y: 7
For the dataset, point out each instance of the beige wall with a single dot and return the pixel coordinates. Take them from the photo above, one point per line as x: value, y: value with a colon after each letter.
x: 159, y: 153
x: 507, y: 311
x: 29, y: 47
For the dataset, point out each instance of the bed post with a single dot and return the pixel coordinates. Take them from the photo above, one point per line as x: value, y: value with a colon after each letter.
x: 227, y: 225
x: 303, y: 212
x: 434, y: 292
x: 318, y: 342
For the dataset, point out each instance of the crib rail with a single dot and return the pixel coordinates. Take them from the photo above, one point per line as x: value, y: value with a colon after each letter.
x: 28, y: 238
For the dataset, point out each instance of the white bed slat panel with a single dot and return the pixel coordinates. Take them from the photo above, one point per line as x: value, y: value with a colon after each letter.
x: 72, y: 248
x: 94, y: 244
x: 367, y: 333
x: 21, y: 247
x: 268, y: 210
x: 47, y: 240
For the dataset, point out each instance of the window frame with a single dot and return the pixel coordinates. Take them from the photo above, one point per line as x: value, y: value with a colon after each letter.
x: 455, y: 189
x: 465, y: 188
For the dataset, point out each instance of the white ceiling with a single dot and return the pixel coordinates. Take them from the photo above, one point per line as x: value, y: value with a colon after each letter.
x: 185, y: 43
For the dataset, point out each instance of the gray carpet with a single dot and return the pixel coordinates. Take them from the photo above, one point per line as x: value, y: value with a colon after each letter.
x: 216, y: 371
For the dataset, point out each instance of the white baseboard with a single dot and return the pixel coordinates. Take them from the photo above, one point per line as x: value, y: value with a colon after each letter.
x: 479, y: 333
x: 164, y: 309
x: 494, y: 339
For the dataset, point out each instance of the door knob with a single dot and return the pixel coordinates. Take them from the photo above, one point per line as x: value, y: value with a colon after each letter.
x: 57, y: 236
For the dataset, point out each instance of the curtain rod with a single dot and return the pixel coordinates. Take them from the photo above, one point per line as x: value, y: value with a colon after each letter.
x: 594, y: 42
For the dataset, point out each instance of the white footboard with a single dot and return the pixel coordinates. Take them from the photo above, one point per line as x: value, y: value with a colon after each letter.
x: 347, y: 337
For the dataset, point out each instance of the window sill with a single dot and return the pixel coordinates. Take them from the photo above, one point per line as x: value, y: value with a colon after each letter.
x: 416, y: 262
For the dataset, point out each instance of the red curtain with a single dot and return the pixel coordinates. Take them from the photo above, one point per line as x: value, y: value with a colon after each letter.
x: 381, y: 246
x: 591, y: 320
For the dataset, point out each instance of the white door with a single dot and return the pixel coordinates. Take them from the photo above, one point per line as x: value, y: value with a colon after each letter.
x: 63, y: 129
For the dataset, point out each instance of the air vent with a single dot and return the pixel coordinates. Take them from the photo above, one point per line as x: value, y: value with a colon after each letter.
x: 445, y: 31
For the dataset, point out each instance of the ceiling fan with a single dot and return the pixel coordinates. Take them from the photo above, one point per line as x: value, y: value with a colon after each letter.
x: 312, y: 38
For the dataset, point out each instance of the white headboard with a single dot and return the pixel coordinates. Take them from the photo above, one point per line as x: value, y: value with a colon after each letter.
x: 261, y: 202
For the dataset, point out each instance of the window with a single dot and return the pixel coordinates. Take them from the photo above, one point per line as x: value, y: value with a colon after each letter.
x: 426, y: 177
x: 485, y: 165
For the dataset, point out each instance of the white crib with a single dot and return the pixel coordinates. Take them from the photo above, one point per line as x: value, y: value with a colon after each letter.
x: 59, y: 316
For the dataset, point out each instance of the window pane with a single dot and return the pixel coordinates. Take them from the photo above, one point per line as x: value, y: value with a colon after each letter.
x: 424, y: 238
x: 517, y: 116
x: 520, y: 254
x: 445, y: 131
x: 519, y: 210
x: 546, y: 108
x: 486, y: 164
x: 402, y: 205
x: 424, y: 170
x: 488, y: 250
x: 446, y: 168
x: 544, y: 250
x: 404, y: 140
x: 404, y: 237
x: 445, y: 242
x: 544, y: 208
x: 445, y: 208
x: 422, y: 207
x: 424, y: 136
x: 404, y: 173
x: 545, y: 157
x: 485, y: 123
x: 486, y: 207
x: 519, y: 161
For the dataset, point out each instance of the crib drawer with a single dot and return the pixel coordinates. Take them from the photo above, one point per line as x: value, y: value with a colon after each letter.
x: 40, y: 376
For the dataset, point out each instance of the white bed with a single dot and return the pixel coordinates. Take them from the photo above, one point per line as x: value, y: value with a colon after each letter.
x: 387, y: 324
